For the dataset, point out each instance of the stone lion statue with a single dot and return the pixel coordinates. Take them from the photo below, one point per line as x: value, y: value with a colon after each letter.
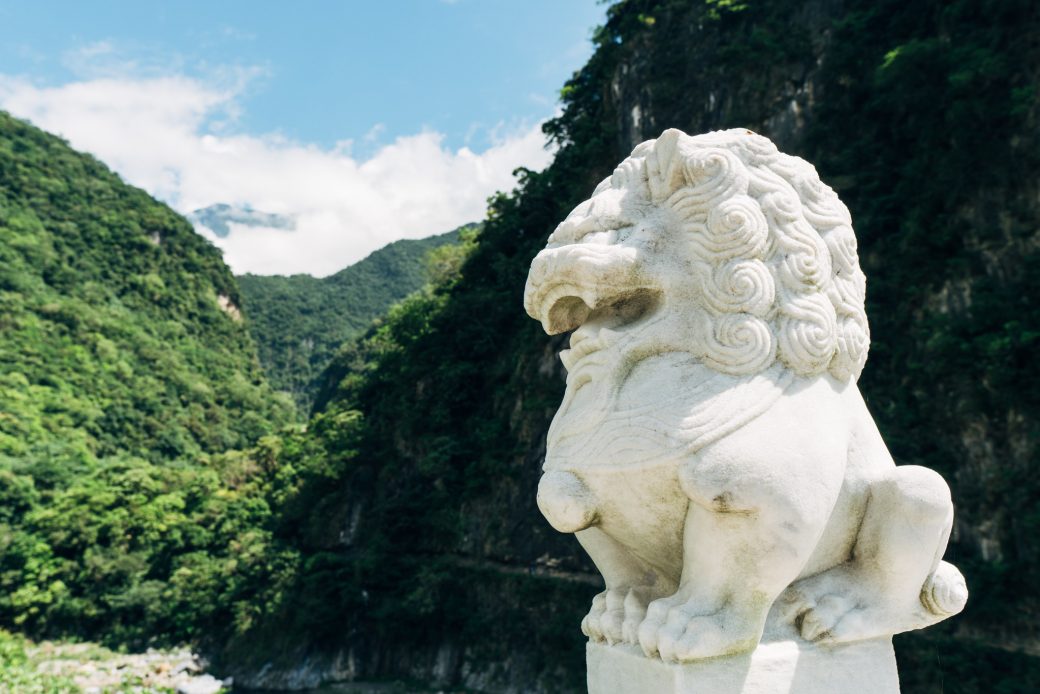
x: 712, y: 452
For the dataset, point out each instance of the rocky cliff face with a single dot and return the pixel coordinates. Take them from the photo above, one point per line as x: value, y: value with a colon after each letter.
x: 758, y: 66
x: 922, y: 114
x: 896, y: 102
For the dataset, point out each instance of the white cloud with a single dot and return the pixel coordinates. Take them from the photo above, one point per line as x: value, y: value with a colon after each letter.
x: 174, y: 136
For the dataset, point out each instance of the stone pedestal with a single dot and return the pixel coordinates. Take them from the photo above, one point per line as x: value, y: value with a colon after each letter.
x: 783, y: 667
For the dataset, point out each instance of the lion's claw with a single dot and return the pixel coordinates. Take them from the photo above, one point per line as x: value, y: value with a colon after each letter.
x: 635, y: 612
x: 674, y: 630
x: 844, y: 604
x: 615, y: 616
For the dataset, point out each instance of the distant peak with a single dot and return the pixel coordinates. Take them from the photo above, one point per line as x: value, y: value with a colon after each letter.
x: 218, y: 218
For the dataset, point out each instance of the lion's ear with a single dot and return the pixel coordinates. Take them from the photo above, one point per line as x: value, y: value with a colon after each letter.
x: 665, y: 165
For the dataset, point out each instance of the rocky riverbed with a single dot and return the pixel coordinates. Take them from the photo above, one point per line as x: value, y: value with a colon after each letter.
x: 96, y: 670
x: 92, y: 669
x: 50, y: 667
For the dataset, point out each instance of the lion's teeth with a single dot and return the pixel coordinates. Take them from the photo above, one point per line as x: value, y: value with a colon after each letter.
x: 568, y: 358
x: 589, y: 297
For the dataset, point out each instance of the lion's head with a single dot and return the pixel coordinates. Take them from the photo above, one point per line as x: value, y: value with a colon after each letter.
x: 717, y: 245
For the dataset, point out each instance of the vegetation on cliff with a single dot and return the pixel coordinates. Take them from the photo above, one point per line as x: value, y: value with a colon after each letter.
x: 124, y: 369
x: 939, y: 177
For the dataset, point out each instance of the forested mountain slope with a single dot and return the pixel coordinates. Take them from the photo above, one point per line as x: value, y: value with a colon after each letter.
x: 298, y: 322
x: 422, y: 552
x: 124, y: 367
x: 120, y: 324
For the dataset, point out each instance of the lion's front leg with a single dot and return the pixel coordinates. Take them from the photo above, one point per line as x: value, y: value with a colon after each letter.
x: 733, y: 569
x: 750, y: 528
x: 617, y: 612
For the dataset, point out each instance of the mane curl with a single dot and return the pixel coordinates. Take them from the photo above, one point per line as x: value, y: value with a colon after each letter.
x: 772, y: 247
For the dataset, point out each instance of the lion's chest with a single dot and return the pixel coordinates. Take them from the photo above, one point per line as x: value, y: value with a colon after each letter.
x: 660, y: 411
x: 625, y: 440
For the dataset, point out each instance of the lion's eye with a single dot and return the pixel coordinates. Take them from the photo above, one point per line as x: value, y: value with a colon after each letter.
x: 623, y: 232
x: 604, y: 237
x: 586, y: 227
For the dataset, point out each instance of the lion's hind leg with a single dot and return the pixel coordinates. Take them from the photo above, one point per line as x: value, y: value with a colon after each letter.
x: 895, y: 580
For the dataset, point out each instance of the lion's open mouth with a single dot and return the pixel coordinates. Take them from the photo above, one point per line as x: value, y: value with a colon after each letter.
x: 607, y: 325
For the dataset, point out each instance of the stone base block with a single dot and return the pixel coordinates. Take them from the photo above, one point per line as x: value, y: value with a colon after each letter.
x: 782, y: 667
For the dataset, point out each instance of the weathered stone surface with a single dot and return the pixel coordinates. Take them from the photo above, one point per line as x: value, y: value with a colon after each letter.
x: 712, y: 451
x: 868, y: 667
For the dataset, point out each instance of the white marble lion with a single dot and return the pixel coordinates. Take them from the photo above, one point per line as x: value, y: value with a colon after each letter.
x: 712, y: 451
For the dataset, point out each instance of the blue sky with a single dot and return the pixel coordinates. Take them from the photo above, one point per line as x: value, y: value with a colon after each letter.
x: 349, y: 99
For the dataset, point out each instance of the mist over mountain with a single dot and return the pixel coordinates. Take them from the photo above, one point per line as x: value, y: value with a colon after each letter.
x: 219, y: 218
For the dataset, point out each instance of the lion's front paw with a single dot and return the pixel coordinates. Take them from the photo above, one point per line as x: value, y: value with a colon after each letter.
x: 615, y: 616
x: 679, y: 632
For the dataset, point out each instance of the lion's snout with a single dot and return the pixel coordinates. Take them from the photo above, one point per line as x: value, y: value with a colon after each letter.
x: 566, y: 284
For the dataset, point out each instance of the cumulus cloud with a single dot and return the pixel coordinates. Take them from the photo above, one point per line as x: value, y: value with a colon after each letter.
x: 174, y: 136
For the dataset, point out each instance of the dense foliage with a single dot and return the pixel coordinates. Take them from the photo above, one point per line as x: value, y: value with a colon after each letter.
x: 19, y: 672
x: 410, y: 431
x: 298, y: 322
x: 122, y: 370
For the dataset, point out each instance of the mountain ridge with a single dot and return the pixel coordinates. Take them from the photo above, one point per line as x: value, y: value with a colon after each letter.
x: 299, y: 321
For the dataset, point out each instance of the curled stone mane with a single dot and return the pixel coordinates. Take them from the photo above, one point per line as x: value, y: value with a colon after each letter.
x: 772, y: 247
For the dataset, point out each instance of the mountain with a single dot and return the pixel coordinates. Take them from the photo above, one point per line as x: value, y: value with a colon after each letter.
x: 125, y: 373
x: 218, y: 218
x: 300, y: 321
x: 421, y: 551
